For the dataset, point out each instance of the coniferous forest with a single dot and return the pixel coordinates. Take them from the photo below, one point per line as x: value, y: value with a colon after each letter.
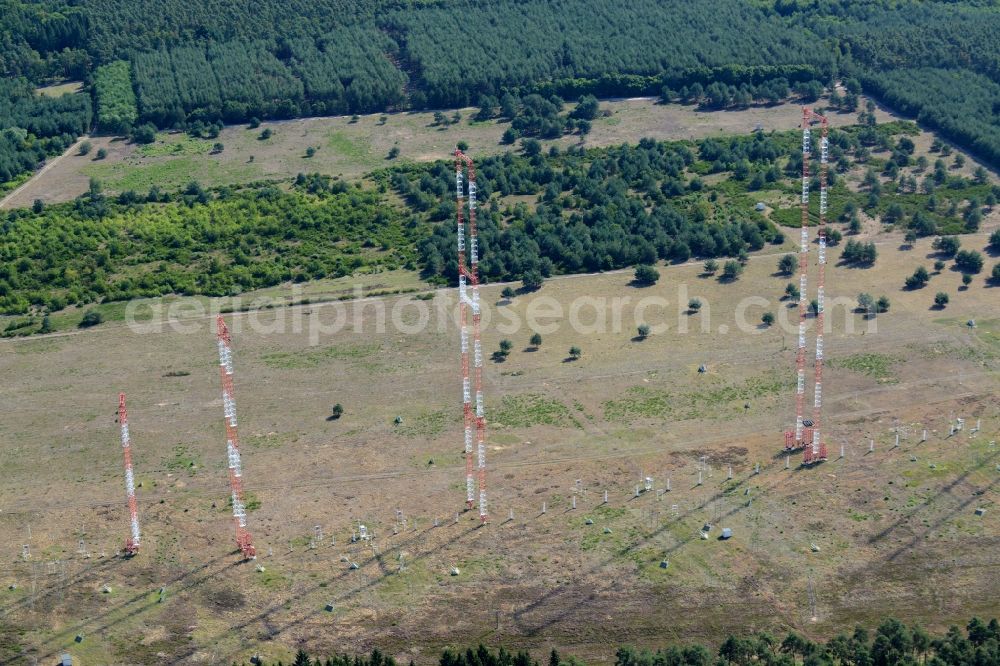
x: 215, y: 61
x: 892, y: 643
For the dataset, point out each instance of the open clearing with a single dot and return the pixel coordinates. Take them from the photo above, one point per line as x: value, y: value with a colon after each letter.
x: 896, y: 529
x: 352, y: 149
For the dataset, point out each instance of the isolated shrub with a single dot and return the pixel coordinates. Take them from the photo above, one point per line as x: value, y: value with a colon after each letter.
x: 91, y: 318
x: 947, y: 245
x: 858, y: 253
x: 969, y: 261
x: 337, y: 411
x: 712, y: 265
x: 643, y: 329
x: 536, y: 340
x: 918, y: 279
x: 866, y: 303
x: 531, y: 280
x: 995, y: 241
x: 144, y: 133
x: 883, y: 304
x: 646, y: 275
x: 508, y: 292
x: 787, y: 264
x: 767, y: 318
x: 575, y: 353
x: 731, y: 270
x: 940, y: 299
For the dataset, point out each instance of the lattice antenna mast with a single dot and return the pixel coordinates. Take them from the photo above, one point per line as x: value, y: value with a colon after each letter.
x: 816, y: 449
x: 243, y: 538
x: 469, y: 418
x: 468, y: 285
x: 796, y: 438
x: 132, y: 542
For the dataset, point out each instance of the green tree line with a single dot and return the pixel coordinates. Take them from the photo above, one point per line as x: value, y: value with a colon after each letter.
x: 892, y: 643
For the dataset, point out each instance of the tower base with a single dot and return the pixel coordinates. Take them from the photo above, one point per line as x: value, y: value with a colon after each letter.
x: 811, y: 457
x: 793, y: 444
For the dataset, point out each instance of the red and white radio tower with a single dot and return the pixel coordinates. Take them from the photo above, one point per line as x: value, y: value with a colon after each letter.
x: 806, y: 434
x: 243, y: 538
x: 132, y: 542
x: 468, y: 282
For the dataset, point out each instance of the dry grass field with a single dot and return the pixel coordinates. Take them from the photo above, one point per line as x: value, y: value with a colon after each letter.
x: 895, y: 531
x: 352, y: 149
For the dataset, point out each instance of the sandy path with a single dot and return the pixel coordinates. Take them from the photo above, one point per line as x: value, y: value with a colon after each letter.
x: 41, y: 172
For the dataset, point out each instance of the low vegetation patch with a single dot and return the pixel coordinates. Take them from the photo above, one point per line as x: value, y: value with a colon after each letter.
x: 529, y: 409
x: 314, y: 357
x: 878, y: 366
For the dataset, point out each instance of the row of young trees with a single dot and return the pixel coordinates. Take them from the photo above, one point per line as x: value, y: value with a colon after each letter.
x: 892, y: 643
x: 518, y: 44
x: 345, y: 71
x: 116, y: 105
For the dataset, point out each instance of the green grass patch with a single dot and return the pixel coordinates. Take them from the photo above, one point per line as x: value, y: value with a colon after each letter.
x: 314, y: 357
x: 878, y: 366
x: 348, y: 147
x: 424, y: 424
x: 528, y: 409
x: 639, y: 401
x: 271, y: 579
x: 176, y: 144
x: 721, y: 400
x: 182, y: 459
x: 170, y: 173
